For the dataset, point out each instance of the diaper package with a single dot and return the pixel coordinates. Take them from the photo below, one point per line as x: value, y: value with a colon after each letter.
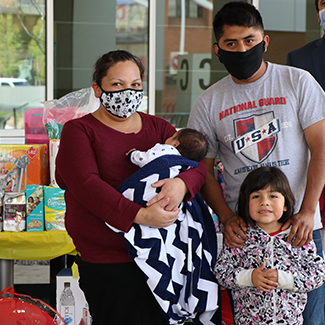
x: 54, y: 208
x: 14, y: 212
x: 34, y: 208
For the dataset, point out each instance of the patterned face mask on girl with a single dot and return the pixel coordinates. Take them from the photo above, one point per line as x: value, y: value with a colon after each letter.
x: 121, y: 103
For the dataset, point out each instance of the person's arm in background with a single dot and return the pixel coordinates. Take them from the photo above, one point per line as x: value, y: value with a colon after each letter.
x: 212, y: 194
x: 303, y: 221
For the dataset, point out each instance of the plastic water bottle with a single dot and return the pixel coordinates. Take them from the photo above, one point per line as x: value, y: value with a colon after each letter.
x: 67, y: 305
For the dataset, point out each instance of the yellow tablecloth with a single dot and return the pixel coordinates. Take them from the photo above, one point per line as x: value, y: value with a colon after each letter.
x: 43, y: 245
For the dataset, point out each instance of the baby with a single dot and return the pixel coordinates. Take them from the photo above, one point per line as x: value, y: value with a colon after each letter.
x: 187, y: 142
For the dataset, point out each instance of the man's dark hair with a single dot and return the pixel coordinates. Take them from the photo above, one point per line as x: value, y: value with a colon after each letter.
x: 192, y: 144
x: 257, y: 180
x: 316, y: 5
x: 237, y: 13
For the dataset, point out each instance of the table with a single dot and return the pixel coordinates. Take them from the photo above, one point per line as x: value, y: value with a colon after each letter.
x: 42, y: 245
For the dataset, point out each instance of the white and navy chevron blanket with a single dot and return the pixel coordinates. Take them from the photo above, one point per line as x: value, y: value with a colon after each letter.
x: 177, y: 260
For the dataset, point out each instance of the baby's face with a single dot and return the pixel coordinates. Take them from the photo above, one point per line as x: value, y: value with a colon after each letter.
x: 3, y: 170
x: 172, y: 140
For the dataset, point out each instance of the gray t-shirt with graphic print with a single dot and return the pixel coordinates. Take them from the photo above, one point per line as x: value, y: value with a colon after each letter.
x: 261, y: 124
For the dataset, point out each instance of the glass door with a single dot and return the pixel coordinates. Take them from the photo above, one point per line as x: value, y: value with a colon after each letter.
x: 22, y: 60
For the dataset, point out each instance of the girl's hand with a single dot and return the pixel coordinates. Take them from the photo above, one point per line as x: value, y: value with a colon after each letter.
x: 156, y: 215
x: 174, y: 189
x: 265, y: 280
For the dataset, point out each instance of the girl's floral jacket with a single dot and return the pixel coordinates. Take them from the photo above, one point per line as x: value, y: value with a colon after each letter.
x: 299, y: 270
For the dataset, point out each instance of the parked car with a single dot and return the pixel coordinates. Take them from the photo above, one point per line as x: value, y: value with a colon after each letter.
x: 13, y: 82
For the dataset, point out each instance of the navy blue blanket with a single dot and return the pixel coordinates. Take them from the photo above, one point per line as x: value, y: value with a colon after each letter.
x: 177, y: 260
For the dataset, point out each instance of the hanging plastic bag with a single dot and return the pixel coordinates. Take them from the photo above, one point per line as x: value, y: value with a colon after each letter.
x: 73, y: 105
x: 22, y: 309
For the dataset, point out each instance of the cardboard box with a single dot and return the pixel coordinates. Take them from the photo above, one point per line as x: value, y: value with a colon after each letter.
x: 23, y: 164
x: 14, y: 211
x: 34, y: 208
x: 54, y: 208
x: 75, y: 312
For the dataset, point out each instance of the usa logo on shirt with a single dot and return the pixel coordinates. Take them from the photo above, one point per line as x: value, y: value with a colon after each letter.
x: 256, y: 136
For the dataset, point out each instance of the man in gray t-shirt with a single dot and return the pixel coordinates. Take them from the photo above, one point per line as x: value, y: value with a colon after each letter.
x: 262, y: 114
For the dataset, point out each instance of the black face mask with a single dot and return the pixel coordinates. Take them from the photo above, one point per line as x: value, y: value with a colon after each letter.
x: 242, y: 65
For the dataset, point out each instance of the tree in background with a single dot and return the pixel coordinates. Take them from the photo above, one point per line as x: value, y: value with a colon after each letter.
x: 10, y: 46
x: 36, y: 49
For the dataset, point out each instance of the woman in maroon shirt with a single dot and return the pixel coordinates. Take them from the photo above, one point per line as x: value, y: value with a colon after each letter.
x: 90, y: 164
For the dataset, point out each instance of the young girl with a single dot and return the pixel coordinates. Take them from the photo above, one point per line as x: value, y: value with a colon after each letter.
x: 268, y: 277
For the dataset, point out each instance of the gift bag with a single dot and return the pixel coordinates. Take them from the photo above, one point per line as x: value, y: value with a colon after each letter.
x: 59, y: 111
x: 73, y: 105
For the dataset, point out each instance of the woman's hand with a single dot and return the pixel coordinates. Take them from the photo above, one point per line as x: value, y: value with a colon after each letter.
x: 156, y: 215
x: 174, y: 189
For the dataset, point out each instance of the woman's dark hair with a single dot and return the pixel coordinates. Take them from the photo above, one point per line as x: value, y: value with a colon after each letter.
x: 111, y: 58
x: 237, y: 13
x: 192, y: 144
x: 257, y: 180
x: 316, y: 5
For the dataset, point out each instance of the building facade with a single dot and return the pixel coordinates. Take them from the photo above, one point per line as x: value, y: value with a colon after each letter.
x: 53, y: 45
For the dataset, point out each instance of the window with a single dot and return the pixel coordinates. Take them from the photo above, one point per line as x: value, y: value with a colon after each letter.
x: 192, y: 10
x: 84, y: 33
x: 22, y: 59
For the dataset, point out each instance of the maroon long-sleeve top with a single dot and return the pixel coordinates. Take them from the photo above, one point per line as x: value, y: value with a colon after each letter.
x: 91, y: 163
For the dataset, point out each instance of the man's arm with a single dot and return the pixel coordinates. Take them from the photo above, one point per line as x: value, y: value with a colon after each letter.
x: 212, y: 193
x: 303, y: 221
